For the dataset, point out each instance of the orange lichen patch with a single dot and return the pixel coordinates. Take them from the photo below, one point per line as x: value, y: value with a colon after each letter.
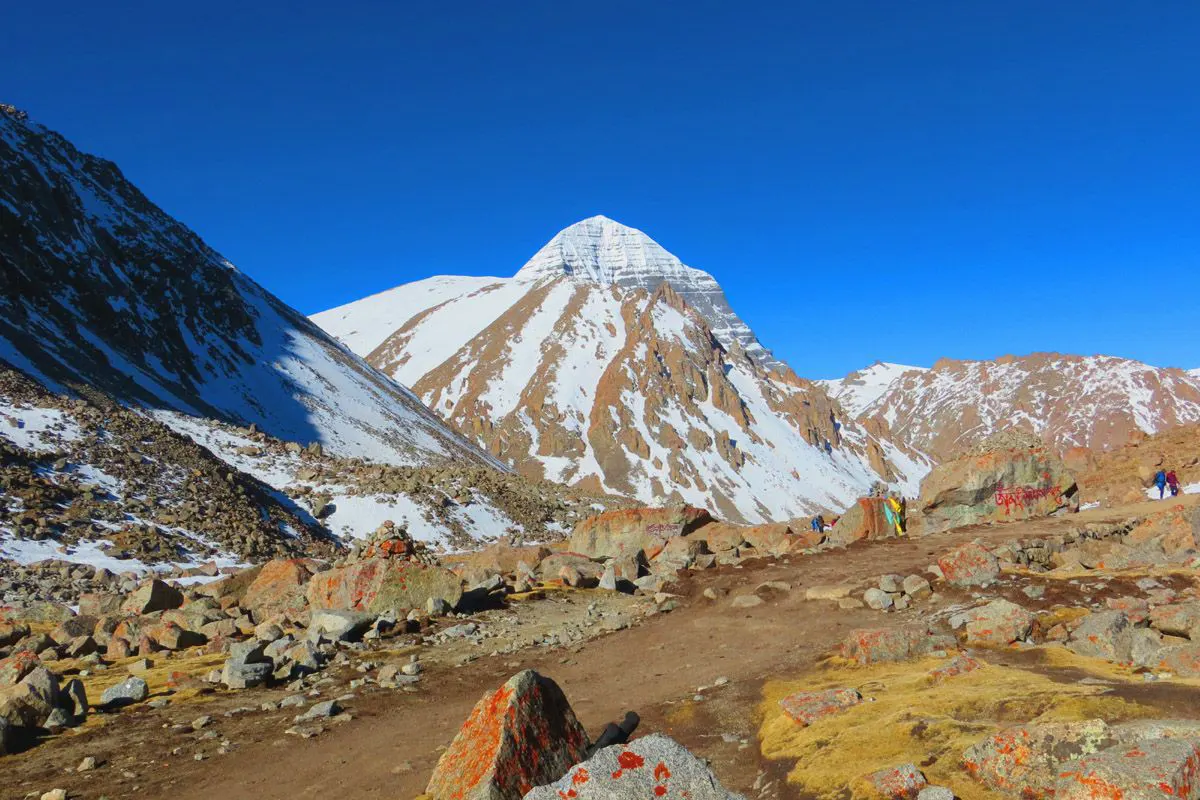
x: 959, y: 665
x: 522, y: 735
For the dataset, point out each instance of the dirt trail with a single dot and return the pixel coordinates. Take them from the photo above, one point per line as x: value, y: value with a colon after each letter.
x: 391, y: 746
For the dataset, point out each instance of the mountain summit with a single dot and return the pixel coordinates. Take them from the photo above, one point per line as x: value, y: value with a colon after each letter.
x: 608, y: 364
x: 601, y: 250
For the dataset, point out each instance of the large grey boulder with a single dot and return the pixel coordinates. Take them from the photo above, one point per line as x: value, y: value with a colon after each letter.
x: 651, y: 767
x: 127, y: 692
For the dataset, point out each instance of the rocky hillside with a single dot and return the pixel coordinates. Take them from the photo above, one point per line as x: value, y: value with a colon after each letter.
x: 89, y: 481
x: 590, y: 367
x: 1070, y: 401
x: 1126, y: 474
x: 98, y: 484
x: 105, y: 290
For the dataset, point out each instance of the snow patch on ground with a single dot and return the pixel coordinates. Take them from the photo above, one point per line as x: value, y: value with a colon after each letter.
x: 39, y: 430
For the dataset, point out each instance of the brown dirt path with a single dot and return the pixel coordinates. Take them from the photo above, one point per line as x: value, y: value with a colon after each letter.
x: 391, y: 746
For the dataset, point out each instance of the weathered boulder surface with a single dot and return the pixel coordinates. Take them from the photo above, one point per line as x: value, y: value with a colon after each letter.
x: 520, y: 736
x: 996, y: 486
x: 153, y: 595
x: 901, y: 643
x: 865, y: 520
x: 994, y: 624
x: 654, y: 766
x: 377, y: 585
x: 279, y: 587
x: 1025, y: 760
x: 616, y: 533
x: 1154, y: 768
x: 970, y: 564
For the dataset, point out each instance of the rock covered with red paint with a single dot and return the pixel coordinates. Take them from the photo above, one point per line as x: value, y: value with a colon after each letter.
x: 969, y: 565
x: 904, y: 782
x: 808, y: 707
x: 520, y: 736
x: 1149, y: 769
x: 650, y: 768
x: 997, y: 486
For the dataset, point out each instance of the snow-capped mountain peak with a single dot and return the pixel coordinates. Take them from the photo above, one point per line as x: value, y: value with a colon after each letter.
x: 603, y: 251
x: 608, y: 364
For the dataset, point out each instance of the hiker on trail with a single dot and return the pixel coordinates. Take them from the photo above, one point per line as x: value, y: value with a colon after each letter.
x: 818, y: 523
x: 828, y: 448
x: 1173, y: 482
x: 1160, y: 480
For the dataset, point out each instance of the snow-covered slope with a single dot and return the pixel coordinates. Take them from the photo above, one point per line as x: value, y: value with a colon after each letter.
x: 102, y: 288
x: 589, y: 367
x: 858, y: 390
x: 1089, y: 401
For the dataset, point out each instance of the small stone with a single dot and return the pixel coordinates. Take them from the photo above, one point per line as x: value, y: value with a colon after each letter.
x: 411, y: 668
x: 746, y: 601
x: 935, y: 793
x: 88, y: 764
x: 891, y: 583
x: 877, y: 599
x: 320, y: 711
x: 201, y: 722
x: 55, y: 794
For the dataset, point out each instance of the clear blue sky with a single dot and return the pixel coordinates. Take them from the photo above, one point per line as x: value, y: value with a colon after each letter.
x: 868, y: 180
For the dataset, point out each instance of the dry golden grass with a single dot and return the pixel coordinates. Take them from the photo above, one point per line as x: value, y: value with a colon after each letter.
x: 905, y: 718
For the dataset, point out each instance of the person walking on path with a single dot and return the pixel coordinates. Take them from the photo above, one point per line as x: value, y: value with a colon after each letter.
x: 1173, y: 483
x: 1160, y: 480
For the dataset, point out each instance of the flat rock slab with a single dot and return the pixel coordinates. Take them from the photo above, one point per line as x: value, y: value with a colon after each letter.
x: 808, y: 707
x: 872, y: 645
x: 655, y: 767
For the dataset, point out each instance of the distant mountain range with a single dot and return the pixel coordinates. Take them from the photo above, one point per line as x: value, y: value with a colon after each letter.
x: 1070, y: 401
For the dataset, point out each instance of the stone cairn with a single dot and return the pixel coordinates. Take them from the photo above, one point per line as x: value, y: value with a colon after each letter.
x: 392, y: 541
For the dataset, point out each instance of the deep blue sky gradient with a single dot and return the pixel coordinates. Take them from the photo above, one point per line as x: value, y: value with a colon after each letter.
x: 868, y: 180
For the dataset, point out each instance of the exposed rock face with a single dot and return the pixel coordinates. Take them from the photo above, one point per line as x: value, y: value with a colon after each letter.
x: 378, y: 585
x: 389, y: 572
x: 573, y: 373
x: 625, y: 532
x: 1069, y: 401
x: 520, y: 736
x: 996, y: 486
x: 104, y: 289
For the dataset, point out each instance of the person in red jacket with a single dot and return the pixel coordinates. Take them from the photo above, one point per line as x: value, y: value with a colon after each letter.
x: 1173, y: 482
